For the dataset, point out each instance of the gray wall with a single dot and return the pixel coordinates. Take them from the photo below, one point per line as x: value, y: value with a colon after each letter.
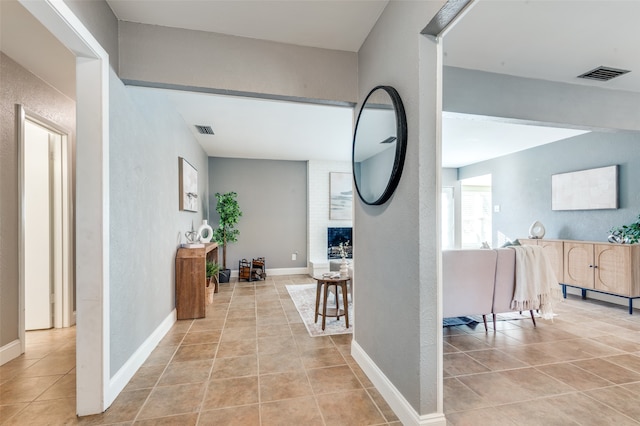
x: 99, y: 19
x: 500, y: 95
x: 146, y: 138
x: 522, y: 186
x: 19, y: 86
x: 396, y: 244
x: 522, y: 181
x: 158, y: 54
x: 273, y: 199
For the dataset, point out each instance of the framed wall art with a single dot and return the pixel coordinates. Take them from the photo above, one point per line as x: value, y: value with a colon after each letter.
x: 341, y: 196
x: 188, y: 186
x: 591, y: 189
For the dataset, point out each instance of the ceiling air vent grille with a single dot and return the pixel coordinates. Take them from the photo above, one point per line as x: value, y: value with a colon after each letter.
x: 603, y: 73
x: 204, y: 130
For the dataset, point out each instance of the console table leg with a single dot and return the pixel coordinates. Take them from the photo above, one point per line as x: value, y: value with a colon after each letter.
x: 584, y: 294
x: 564, y: 290
x: 630, y: 306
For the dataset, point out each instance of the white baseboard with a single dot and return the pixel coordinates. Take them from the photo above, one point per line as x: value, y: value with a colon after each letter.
x: 400, y: 406
x: 288, y: 271
x: 122, y: 377
x: 10, y: 351
x: 279, y: 271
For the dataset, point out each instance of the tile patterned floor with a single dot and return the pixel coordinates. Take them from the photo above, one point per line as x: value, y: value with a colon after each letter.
x: 581, y: 369
x: 251, y: 362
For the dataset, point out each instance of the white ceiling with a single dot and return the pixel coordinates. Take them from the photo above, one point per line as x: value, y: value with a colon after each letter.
x: 562, y: 39
x: 266, y: 129
x: 545, y: 39
x: 473, y: 138
x: 549, y: 40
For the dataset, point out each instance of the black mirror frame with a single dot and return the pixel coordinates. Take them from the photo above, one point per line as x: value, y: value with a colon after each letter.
x: 401, y: 146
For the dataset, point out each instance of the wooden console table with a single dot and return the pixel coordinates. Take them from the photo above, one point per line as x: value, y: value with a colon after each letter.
x: 191, y: 280
x: 612, y: 269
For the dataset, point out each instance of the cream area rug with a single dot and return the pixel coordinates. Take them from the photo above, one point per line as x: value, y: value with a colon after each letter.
x: 304, y: 297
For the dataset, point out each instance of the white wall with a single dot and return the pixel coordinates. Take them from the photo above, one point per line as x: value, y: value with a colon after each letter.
x: 318, y: 206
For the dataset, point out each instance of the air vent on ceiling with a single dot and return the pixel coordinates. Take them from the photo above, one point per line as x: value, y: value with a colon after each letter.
x: 204, y: 130
x: 603, y: 73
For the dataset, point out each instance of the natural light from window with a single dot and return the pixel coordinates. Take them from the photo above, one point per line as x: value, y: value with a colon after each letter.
x: 476, y: 211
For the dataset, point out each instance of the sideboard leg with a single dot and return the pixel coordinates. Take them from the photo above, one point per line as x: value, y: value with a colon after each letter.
x: 584, y: 294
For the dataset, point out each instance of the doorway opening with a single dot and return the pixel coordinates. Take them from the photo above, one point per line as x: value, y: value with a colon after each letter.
x: 46, y: 224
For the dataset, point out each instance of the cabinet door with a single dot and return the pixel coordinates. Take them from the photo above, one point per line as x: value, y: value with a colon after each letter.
x: 555, y: 253
x: 613, y: 268
x: 578, y: 264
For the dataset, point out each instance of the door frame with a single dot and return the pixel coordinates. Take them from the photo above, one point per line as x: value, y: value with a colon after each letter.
x: 94, y: 392
x: 63, y: 314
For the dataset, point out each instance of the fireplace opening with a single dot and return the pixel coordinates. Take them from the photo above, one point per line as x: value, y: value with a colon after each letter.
x: 335, y: 236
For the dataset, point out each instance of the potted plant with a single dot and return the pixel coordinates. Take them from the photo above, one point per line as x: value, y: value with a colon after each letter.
x: 229, y: 212
x: 212, y: 279
x: 626, y: 234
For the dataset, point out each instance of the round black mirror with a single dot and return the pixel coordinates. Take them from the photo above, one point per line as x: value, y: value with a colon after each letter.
x: 379, y: 145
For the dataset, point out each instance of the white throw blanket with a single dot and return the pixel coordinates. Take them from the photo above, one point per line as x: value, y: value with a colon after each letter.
x: 536, y: 284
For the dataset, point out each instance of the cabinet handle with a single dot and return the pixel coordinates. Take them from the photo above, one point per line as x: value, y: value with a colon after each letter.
x: 590, y: 266
x: 595, y: 266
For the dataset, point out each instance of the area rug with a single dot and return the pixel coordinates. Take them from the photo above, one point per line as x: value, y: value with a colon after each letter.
x: 304, y: 297
x: 451, y: 322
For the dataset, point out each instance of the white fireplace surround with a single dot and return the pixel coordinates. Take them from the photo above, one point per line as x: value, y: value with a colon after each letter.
x: 318, y: 212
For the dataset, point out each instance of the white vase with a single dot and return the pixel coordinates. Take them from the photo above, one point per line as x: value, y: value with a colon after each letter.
x: 206, y: 232
x: 536, y: 230
x: 344, y: 268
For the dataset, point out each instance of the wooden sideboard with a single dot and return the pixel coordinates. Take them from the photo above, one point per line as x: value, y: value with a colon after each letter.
x: 594, y: 266
x: 191, y: 280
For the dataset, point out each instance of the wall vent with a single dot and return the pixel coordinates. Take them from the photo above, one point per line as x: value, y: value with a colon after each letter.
x: 204, y: 130
x: 390, y: 139
x: 603, y: 73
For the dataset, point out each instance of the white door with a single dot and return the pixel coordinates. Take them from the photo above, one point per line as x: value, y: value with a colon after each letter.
x: 38, y: 253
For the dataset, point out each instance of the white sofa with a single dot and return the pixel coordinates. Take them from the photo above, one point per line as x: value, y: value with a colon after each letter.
x: 478, y: 282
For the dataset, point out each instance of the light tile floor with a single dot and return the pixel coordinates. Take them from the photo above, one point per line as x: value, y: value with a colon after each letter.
x: 252, y: 362
x: 581, y: 369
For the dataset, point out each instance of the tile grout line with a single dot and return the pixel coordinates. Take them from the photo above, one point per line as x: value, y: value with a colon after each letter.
x: 215, y: 355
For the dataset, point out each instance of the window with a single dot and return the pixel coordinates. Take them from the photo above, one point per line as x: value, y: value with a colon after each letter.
x: 476, y: 211
x: 448, y: 219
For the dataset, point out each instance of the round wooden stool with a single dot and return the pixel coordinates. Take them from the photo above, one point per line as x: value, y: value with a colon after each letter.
x: 326, y: 283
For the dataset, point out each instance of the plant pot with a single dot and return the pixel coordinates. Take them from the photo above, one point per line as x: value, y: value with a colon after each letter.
x: 210, y: 292
x: 224, y: 275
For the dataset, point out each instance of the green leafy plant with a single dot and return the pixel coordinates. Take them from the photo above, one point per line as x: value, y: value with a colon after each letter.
x: 212, y: 269
x: 229, y: 211
x: 629, y: 234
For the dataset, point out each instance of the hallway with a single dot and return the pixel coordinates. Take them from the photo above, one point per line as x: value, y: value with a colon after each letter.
x: 252, y: 362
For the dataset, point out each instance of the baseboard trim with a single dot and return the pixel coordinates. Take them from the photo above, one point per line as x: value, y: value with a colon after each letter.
x: 127, y: 371
x: 10, y: 351
x: 279, y: 271
x: 288, y: 271
x: 400, y: 406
